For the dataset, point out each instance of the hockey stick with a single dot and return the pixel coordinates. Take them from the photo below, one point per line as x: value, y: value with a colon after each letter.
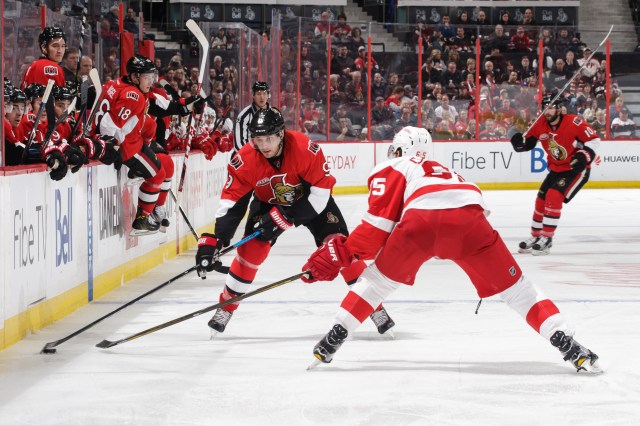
x: 59, y: 120
x: 95, y: 79
x: 108, y: 343
x: 32, y: 135
x: 573, y: 77
x: 49, y: 348
x: 204, y: 43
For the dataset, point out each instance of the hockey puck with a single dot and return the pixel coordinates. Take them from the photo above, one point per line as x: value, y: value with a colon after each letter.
x: 48, y: 351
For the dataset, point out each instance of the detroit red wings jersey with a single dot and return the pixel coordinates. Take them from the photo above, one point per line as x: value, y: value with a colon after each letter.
x: 560, y: 143
x: 41, y: 71
x: 302, y: 174
x: 398, y: 185
x: 121, y: 115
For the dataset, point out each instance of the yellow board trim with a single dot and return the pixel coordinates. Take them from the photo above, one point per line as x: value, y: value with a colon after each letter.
x: 58, y: 307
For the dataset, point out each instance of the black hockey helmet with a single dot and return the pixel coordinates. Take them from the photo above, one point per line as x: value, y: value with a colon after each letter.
x: 267, y: 122
x: 139, y: 64
x: 50, y: 33
x: 62, y: 93
x: 34, y: 90
x: 548, y: 97
x: 18, y: 95
x: 260, y: 86
x: 8, y: 89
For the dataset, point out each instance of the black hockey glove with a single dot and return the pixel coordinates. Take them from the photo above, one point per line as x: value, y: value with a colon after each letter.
x: 520, y: 144
x: 194, y: 102
x: 581, y: 159
x: 56, y: 162
x: 273, y: 224
x: 75, y: 157
x: 207, y: 257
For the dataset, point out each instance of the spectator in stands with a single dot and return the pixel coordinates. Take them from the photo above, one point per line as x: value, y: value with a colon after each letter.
x: 217, y: 68
x: 571, y: 65
x: 589, y: 111
x: 336, y: 95
x: 323, y: 27
x: 465, y: 23
x: 356, y: 39
x: 525, y: 99
x: 505, y: 110
x: 86, y: 64
x: 444, y: 130
x: 113, y: 16
x: 462, y: 42
x: 109, y: 36
x: 498, y: 40
x: 483, y: 23
x: 406, y: 119
x: 354, y: 90
x: 505, y: 21
x: 131, y: 21
x: 382, y: 120
x: 490, y: 132
x: 521, y: 41
x: 557, y: 77
x: 342, y: 27
x: 548, y: 41
x: 527, y: 18
x: 447, y: 30
x: 342, y: 64
x: 461, y: 125
x: 110, y: 68
x: 452, y: 79
x: 70, y: 63
x: 562, y: 42
x: 361, y: 63
x: 589, y: 68
x: 600, y: 124
x: 378, y: 86
x: 617, y: 107
x: 395, y: 99
x: 392, y: 82
x: 219, y: 41
x: 623, y: 127
x: 447, y: 108
x: 525, y: 70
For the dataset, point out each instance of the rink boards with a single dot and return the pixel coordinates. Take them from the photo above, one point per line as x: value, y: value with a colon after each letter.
x: 64, y: 244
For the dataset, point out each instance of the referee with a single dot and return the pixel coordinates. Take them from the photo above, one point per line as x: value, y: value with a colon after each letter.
x: 241, y: 132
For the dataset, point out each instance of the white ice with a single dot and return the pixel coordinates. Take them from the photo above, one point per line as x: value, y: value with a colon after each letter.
x: 446, y: 366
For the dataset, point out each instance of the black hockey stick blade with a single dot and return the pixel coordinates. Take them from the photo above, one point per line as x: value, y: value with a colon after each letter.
x: 108, y: 343
x: 49, y: 348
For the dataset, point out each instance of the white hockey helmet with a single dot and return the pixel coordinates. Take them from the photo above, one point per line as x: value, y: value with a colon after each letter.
x: 209, y: 112
x: 410, y: 141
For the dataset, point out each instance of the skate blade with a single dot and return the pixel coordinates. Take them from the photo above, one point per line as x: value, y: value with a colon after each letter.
x: 316, y: 362
x: 540, y: 252
x: 590, y: 368
x: 389, y: 334
x: 214, y: 334
x: 524, y: 251
x: 140, y: 232
x: 163, y: 229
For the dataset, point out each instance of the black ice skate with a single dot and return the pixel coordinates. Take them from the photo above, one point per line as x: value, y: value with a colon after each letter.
x: 542, y: 246
x: 144, y: 224
x: 382, y: 320
x: 526, y: 245
x: 159, y: 215
x: 219, y: 321
x: 330, y: 343
x: 581, y: 358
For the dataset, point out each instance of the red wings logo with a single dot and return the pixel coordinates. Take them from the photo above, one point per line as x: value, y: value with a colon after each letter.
x: 133, y: 95
x: 50, y: 70
x: 284, y: 193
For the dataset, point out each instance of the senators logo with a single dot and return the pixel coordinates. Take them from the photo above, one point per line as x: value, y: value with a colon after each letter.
x: 50, y: 70
x: 332, y: 218
x: 556, y: 150
x: 133, y: 95
x: 236, y: 162
x: 284, y: 193
x: 314, y: 147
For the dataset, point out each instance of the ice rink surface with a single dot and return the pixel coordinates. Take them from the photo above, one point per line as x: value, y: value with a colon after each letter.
x: 446, y: 365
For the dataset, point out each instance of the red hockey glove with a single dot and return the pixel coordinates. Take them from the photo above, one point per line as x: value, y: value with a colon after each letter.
x: 174, y: 143
x: 273, y: 224
x: 325, y: 263
x: 209, y: 148
x: 225, y: 144
x: 581, y: 159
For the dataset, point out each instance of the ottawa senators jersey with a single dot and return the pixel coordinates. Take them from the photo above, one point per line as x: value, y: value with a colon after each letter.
x: 302, y: 181
x: 398, y: 185
x: 41, y: 71
x: 121, y: 115
x: 560, y: 143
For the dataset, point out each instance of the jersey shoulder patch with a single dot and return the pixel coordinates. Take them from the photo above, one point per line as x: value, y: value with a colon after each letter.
x: 577, y: 120
x: 50, y: 70
x: 236, y: 162
x: 313, y: 147
x: 132, y: 95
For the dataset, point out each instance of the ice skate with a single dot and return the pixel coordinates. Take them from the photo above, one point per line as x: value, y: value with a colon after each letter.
x: 159, y: 215
x: 330, y: 343
x: 581, y: 358
x: 144, y: 224
x: 219, y: 322
x: 526, y: 245
x: 383, y: 321
x: 542, y: 246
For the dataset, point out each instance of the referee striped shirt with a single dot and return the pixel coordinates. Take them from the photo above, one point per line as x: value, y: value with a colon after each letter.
x: 241, y: 132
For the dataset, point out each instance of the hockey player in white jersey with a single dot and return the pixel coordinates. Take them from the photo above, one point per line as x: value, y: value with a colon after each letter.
x: 414, y: 195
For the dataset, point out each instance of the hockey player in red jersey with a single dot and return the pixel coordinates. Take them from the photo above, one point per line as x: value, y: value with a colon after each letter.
x: 121, y: 115
x: 292, y: 185
x: 412, y: 196
x: 52, y: 44
x: 571, y: 146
